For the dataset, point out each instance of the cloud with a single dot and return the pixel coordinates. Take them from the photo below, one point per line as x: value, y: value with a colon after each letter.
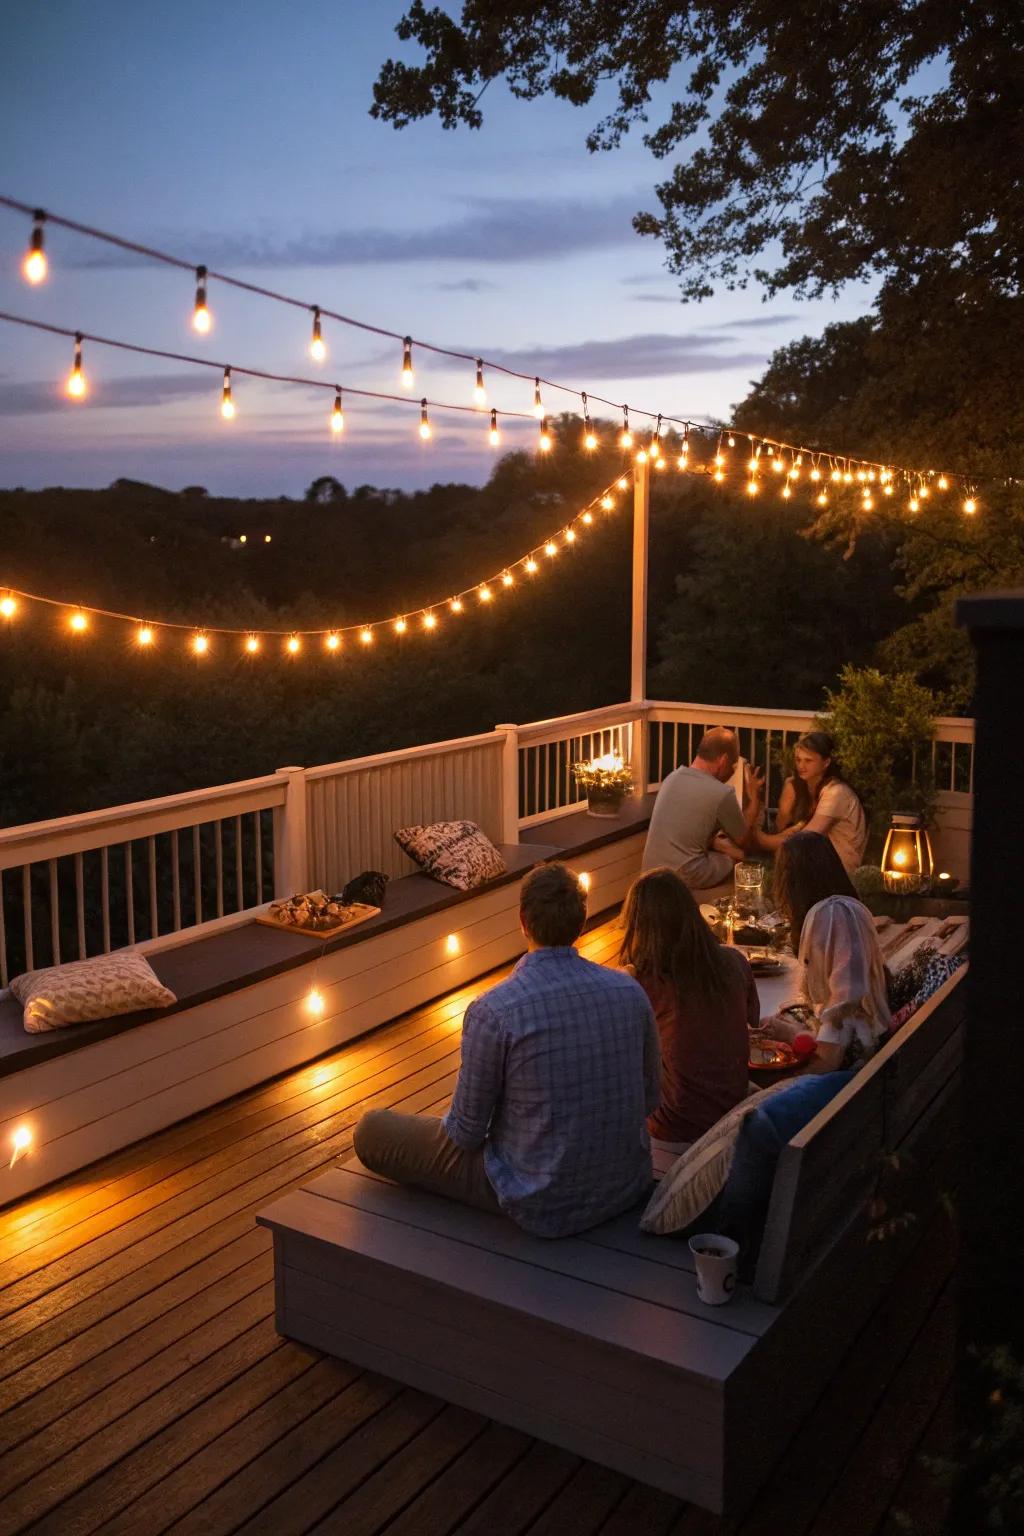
x: 141, y: 390
x: 754, y: 323
x: 467, y: 285
x: 656, y: 298
x: 489, y: 229
x: 628, y: 357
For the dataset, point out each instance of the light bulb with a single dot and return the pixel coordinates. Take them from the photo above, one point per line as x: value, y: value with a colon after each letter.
x: 484, y: 594
x: 337, y: 414
x: 538, y: 404
x: 8, y: 607
x: 429, y: 621
x: 34, y: 266
x: 227, y: 405
x: 942, y: 483
x: 332, y: 642
x: 584, y: 880
x: 267, y: 537
x: 683, y: 460
x: 752, y: 487
x: 452, y: 944
x: 661, y: 463
x: 887, y: 489
x: 570, y: 537
x: 315, y: 1002
x: 732, y: 441
x: 923, y: 492
x: 550, y: 549
x: 822, y: 499
x: 641, y: 456
x: 625, y: 436
x: 868, y: 504
x: 530, y: 566
x: 719, y: 460
x: 587, y: 517
x: 777, y: 466
x: 77, y: 387
x: 837, y: 475
x: 22, y: 1139
x: 913, y: 504
x: 400, y: 626
x: 200, y: 644
x: 608, y: 503
x: 752, y: 465
x: 78, y: 622
x: 544, y: 440
x: 425, y: 432
x: 589, y: 440
x: 456, y: 605
x: 786, y: 493
x: 293, y: 645
x: 479, y: 392
x: 202, y: 320
x: 494, y: 436
x: 243, y: 538
x: 970, y: 506
x: 815, y: 473
x: 407, y: 373
x: 144, y: 635
x: 366, y: 636
x: 719, y: 474
x: 860, y: 475
x: 847, y: 478
x: 508, y: 579
x: 317, y: 345
x: 252, y: 644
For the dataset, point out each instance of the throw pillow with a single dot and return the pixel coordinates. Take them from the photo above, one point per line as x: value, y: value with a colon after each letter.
x: 123, y: 982
x: 699, y: 1175
x: 455, y: 852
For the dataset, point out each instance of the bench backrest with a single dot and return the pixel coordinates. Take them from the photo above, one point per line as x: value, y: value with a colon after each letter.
x: 827, y: 1173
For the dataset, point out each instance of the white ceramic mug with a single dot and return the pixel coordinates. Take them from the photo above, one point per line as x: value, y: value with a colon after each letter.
x: 716, y: 1259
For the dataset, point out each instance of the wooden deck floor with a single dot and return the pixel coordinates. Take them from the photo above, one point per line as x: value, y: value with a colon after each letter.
x: 143, y: 1387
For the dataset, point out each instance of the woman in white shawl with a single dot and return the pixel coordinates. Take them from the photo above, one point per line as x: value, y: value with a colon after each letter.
x: 843, y: 972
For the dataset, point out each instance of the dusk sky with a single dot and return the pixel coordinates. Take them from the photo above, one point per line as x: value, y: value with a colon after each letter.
x: 238, y: 135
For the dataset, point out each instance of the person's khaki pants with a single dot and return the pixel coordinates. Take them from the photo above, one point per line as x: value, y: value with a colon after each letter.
x: 413, y: 1149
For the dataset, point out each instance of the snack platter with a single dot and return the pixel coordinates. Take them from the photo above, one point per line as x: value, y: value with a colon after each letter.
x: 316, y: 915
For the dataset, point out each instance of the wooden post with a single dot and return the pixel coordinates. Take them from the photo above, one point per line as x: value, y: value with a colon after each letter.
x: 509, y: 783
x: 291, y: 866
x: 991, y: 1258
x: 638, y: 657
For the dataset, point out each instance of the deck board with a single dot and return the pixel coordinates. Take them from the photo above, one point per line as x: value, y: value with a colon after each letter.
x: 143, y: 1387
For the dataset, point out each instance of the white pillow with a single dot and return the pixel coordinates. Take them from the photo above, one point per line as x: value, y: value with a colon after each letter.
x: 89, y: 989
x: 700, y: 1173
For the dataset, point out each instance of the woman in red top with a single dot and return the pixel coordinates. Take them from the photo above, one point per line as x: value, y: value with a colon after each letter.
x: 704, y: 999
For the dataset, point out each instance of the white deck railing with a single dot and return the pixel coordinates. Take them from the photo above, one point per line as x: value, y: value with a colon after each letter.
x: 151, y: 872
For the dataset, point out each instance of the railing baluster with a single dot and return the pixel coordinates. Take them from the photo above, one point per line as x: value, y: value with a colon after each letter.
x: 239, y: 886
x: 154, y: 911
x: 176, y: 881
x: 4, y: 977
x: 129, y: 892
x: 26, y: 903
x: 197, y: 877
x: 54, y: 913
x: 80, y: 904
x: 218, y: 861
x: 258, y: 818
x: 536, y: 780
x: 105, y: 897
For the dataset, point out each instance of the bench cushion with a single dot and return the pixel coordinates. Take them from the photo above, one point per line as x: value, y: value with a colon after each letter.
x: 60, y: 995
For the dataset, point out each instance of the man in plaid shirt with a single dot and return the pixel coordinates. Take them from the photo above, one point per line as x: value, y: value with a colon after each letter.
x: 560, y: 1068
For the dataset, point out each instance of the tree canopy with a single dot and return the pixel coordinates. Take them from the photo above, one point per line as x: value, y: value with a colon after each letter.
x: 814, y: 143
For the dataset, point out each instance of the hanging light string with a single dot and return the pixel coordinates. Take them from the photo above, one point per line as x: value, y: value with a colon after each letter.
x: 79, y: 617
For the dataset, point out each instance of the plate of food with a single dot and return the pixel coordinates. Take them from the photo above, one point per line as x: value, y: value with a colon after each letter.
x: 764, y: 963
x: 767, y: 1055
x: 316, y: 915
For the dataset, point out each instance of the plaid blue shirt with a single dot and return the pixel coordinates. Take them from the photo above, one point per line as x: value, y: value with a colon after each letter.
x: 560, y: 1067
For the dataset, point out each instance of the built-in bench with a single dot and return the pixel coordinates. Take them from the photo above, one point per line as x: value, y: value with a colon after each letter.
x: 240, y: 1014
x: 598, y: 1343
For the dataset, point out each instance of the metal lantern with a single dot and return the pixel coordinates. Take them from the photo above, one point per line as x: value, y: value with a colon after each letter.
x: 907, y: 860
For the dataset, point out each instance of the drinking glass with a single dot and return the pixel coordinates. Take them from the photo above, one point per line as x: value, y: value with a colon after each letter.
x: 749, y: 888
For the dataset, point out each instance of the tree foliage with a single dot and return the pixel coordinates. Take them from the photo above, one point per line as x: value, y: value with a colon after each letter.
x: 813, y: 143
x: 882, y: 727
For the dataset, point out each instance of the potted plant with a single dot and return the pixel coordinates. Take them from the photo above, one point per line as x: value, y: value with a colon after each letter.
x: 607, y: 781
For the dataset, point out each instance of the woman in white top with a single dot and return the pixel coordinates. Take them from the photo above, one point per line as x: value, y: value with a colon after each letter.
x: 818, y: 799
x: 842, y: 967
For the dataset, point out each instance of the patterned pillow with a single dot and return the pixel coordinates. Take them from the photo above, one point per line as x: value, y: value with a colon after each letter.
x: 89, y: 989
x: 700, y: 1173
x: 455, y: 852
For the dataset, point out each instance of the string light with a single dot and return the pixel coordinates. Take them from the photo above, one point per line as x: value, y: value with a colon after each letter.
x: 366, y: 636
x: 822, y: 498
x: 589, y: 435
x: 538, y: 404
x: 608, y: 503
x: 34, y: 266
x: 587, y: 517
x: 144, y: 635
x: 551, y: 549
x: 544, y: 439
x: 78, y: 623
x: 8, y: 607
x: 227, y: 404
x: 429, y: 621
x: 337, y: 413
x: 623, y: 483
x: 455, y: 605
x: 293, y: 645
x: 400, y: 626
x: 625, y: 436
x: 970, y: 506
x: 200, y: 644
x: 332, y: 642
x: 425, y: 432
x: 530, y: 566
x: 252, y: 644
x: 494, y: 436
x: 570, y: 536
x: 317, y: 345
x: 752, y: 486
x: 479, y: 392
x: 407, y: 372
x: 77, y: 386
x: 942, y: 483
x: 485, y: 594
x: 507, y: 580
x: 202, y: 320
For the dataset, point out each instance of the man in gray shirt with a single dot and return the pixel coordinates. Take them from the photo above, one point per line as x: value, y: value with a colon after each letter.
x: 695, y: 806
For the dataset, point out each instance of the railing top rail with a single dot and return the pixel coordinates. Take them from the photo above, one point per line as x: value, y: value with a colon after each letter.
x: 539, y: 731
x: 947, y: 727
x: 403, y: 754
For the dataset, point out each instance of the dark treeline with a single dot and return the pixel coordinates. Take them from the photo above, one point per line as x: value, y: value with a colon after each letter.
x: 744, y: 609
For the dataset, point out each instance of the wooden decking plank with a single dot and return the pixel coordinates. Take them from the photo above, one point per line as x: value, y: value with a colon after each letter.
x: 643, y: 1512
x: 873, y: 1473
x: 921, y: 1503
x: 110, y: 1383
x: 653, y: 1282
x: 580, y: 1508
x: 272, y: 1433
x: 310, y: 1499
x: 65, y: 1483
x: 385, y: 1494
x: 179, y: 1250
x: 194, y: 1210
x: 460, y: 1488
x: 522, y: 1493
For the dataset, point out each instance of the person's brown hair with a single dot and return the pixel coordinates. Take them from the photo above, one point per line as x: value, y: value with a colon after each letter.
x: 804, y: 803
x: 807, y: 870
x: 552, y: 905
x: 666, y: 936
x: 717, y: 743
